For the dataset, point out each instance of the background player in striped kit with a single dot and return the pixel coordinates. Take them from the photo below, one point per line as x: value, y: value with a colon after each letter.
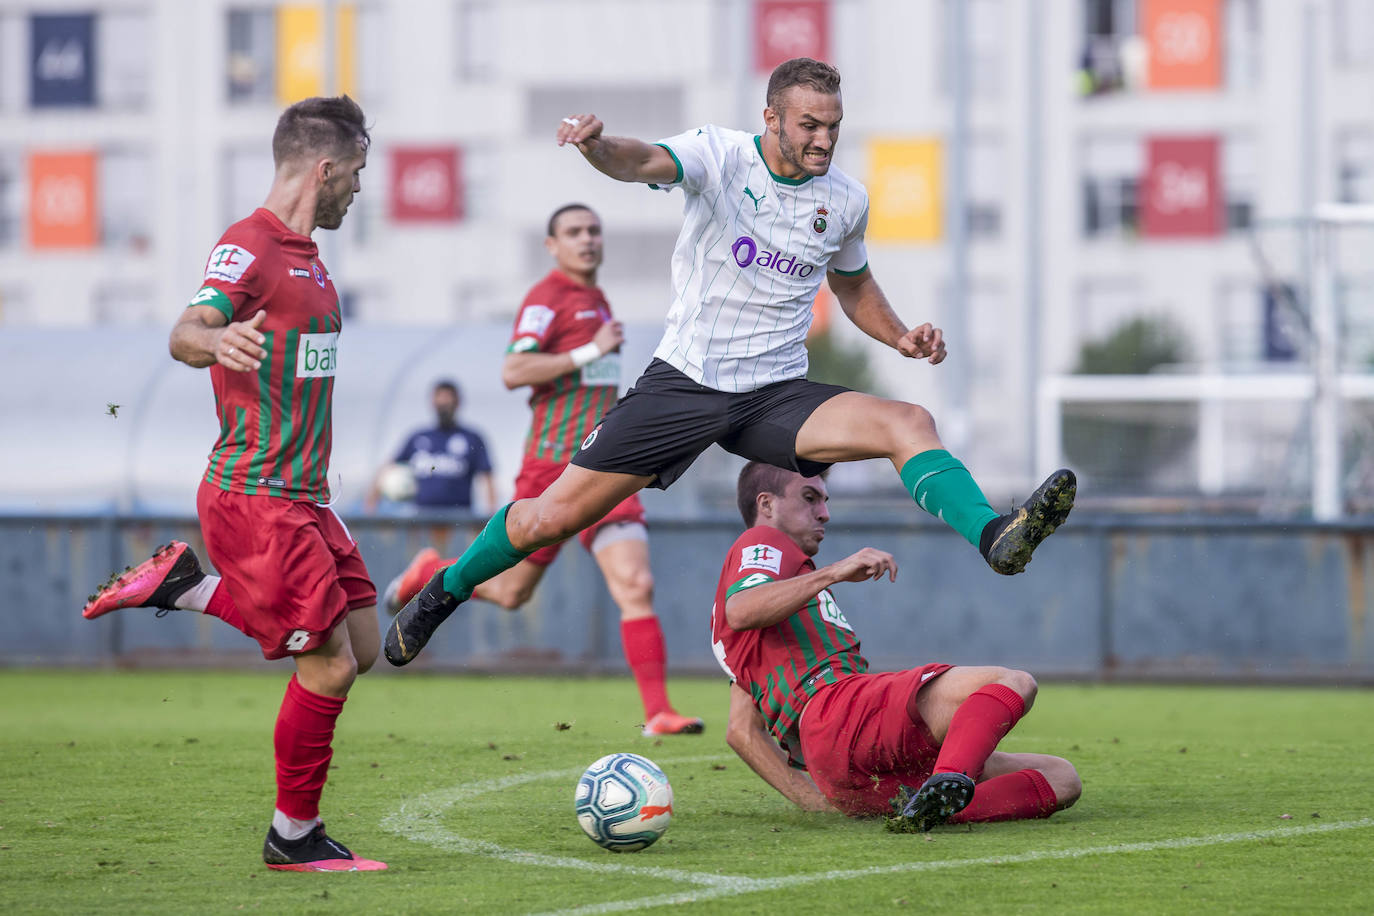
x: 565, y: 347
x: 266, y: 322
x: 765, y: 219
x: 797, y: 676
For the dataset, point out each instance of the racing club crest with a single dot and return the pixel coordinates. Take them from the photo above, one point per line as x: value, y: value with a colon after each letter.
x: 819, y: 224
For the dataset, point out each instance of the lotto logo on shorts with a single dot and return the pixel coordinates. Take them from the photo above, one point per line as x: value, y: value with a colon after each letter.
x: 298, y: 640
x: 317, y: 355
x: 761, y: 556
x: 228, y: 262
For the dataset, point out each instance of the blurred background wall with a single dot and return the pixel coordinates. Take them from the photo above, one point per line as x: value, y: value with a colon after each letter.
x: 1065, y: 186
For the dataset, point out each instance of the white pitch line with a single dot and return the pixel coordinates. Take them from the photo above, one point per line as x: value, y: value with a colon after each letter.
x: 420, y: 820
x: 750, y: 885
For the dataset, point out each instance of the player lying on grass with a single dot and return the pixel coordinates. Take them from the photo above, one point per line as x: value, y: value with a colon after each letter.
x: 806, y: 715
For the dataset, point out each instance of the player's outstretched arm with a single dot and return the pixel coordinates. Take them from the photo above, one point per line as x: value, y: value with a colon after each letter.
x: 622, y: 158
x: 203, y: 337
x: 773, y: 602
x: 748, y: 736
x: 866, y: 305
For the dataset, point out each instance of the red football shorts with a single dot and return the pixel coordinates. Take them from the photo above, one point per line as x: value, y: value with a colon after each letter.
x: 859, y: 742
x: 291, y: 566
x: 536, y: 476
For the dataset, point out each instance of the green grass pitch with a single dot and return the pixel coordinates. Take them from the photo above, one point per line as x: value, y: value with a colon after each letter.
x: 150, y: 793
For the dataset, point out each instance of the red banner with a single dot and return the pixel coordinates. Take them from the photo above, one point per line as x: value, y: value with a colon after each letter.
x: 784, y: 29
x: 426, y: 184
x: 1181, y: 194
x: 62, y: 202
x: 1185, y: 41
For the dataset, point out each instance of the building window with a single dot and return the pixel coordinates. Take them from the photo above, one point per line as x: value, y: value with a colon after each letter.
x: 1112, y: 169
x: 1109, y: 36
x: 479, y: 41
x: 1115, y: 56
x: 1355, y: 167
x: 1240, y: 174
x: 124, y: 59
x: 985, y: 47
x: 987, y: 171
x: 14, y: 305
x: 1242, y: 53
x: 11, y: 200
x: 125, y: 185
x: 251, y: 64
x: 13, y: 61
x: 1355, y: 306
x: 1352, y: 24
x: 251, y: 69
x: 247, y: 174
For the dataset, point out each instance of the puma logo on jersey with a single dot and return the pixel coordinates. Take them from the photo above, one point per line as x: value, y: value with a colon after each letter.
x: 757, y: 199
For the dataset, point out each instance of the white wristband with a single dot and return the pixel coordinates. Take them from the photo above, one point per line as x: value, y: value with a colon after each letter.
x: 584, y: 354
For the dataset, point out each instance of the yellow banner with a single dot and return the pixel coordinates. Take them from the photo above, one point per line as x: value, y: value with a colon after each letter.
x: 905, y: 187
x: 300, y: 51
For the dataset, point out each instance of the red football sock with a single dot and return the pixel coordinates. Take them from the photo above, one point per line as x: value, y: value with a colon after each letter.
x: 1010, y: 797
x: 647, y: 657
x: 977, y: 725
x: 305, y: 728
x: 222, y: 605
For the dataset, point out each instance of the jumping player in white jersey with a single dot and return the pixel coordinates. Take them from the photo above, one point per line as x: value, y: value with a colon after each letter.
x: 766, y: 218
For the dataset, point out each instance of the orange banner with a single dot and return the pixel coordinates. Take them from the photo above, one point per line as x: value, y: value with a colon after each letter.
x: 62, y: 202
x: 1185, y: 41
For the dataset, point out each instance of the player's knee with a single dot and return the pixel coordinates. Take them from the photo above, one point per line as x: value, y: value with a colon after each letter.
x: 333, y: 676
x: 912, y: 420
x: 1020, y: 681
x: 551, y: 524
x: 634, y: 587
x: 1064, y: 781
x: 365, y: 661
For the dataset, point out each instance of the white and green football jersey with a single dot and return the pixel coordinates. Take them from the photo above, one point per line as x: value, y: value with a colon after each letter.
x: 750, y: 259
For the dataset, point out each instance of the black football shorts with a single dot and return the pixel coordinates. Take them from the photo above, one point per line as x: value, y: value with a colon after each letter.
x: 666, y: 420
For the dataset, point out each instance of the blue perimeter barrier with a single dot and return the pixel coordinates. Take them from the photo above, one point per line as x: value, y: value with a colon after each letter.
x: 1106, y: 598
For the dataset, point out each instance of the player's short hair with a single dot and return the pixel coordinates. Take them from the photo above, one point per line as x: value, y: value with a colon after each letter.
x: 801, y: 71
x: 448, y: 385
x: 566, y: 208
x: 330, y: 126
x: 755, y: 478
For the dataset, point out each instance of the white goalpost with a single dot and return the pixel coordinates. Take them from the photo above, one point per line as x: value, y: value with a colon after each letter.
x: 1323, y: 390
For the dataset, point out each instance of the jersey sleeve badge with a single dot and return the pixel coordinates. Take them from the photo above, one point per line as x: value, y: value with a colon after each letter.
x: 535, y: 320
x: 228, y: 263
x: 761, y: 556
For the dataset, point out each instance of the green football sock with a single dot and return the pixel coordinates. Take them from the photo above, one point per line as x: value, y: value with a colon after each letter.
x: 489, y: 553
x: 942, y: 486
